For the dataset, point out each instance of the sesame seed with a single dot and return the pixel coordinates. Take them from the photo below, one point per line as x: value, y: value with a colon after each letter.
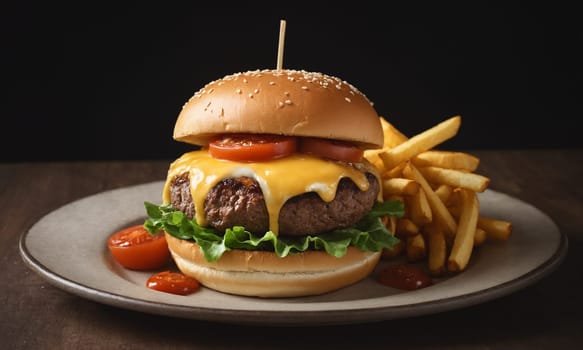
x: 288, y: 102
x: 238, y: 91
x: 256, y: 91
x: 272, y: 83
x: 250, y: 95
x: 347, y: 99
x: 286, y: 93
x: 211, y: 90
x: 244, y: 80
x: 338, y: 86
x: 280, y: 104
x: 304, y: 88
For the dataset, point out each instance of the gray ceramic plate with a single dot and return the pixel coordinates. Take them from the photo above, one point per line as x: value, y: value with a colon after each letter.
x: 535, y: 249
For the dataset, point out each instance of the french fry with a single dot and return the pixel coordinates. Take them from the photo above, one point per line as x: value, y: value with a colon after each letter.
x: 444, y: 193
x: 393, y: 137
x: 447, y: 159
x: 464, y: 238
x: 390, y: 223
x: 406, y: 227
x: 421, y: 142
x: 495, y: 229
x: 439, y: 210
x: 419, y: 208
x: 395, y: 172
x: 455, y: 178
x: 372, y: 155
x: 437, y: 251
x: 479, y: 237
x: 400, y: 186
x: 454, y: 202
x: 415, y: 248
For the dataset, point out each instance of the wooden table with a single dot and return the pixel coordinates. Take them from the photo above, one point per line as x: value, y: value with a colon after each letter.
x: 36, y: 315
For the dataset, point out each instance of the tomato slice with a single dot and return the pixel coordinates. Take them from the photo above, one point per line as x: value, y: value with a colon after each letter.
x: 252, y: 148
x: 173, y: 282
x: 337, y: 150
x: 135, y: 248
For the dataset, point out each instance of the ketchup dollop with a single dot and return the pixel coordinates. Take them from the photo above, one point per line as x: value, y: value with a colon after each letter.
x: 404, y: 276
x: 172, y: 282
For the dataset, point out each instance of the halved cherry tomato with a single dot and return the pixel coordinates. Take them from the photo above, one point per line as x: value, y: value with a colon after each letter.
x: 252, y: 148
x: 135, y: 248
x: 172, y: 282
x: 337, y: 150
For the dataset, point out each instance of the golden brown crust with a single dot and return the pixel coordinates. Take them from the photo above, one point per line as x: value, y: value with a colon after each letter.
x: 264, y: 274
x: 287, y: 102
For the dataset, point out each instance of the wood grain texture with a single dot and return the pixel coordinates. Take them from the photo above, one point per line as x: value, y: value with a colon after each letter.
x: 36, y: 315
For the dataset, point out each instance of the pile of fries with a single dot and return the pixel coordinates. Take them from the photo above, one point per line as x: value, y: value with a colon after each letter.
x: 442, y: 223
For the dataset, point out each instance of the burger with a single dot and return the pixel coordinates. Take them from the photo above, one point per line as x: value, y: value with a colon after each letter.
x: 276, y: 198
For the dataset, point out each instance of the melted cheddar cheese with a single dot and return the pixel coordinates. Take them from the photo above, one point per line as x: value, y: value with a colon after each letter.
x: 279, y: 179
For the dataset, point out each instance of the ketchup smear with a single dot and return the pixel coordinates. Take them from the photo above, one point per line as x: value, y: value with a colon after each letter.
x: 404, y: 276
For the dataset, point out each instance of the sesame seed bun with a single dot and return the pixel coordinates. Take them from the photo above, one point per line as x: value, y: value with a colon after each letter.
x: 282, y: 102
x: 263, y: 274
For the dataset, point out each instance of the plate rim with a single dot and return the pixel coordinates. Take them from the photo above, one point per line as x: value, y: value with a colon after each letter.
x: 293, y: 318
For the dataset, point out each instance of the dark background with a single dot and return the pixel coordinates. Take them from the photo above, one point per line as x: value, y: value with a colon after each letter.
x: 92, y: 82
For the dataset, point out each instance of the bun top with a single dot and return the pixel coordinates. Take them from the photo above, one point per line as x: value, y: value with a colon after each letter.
x: 281, y: 102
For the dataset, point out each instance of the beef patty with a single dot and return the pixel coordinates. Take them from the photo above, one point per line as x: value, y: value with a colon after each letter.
x: 240, y: 202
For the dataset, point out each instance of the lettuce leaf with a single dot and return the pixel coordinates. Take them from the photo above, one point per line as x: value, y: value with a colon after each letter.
x: 369, y: 234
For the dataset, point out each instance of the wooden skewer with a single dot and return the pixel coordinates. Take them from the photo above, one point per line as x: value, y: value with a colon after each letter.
x: 281, y: 42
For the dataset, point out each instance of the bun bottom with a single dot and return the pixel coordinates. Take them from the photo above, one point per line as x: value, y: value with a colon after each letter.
x: 264, y: 274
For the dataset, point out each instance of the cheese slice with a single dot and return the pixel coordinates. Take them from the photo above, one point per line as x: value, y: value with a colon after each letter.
x: 279, y: 179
